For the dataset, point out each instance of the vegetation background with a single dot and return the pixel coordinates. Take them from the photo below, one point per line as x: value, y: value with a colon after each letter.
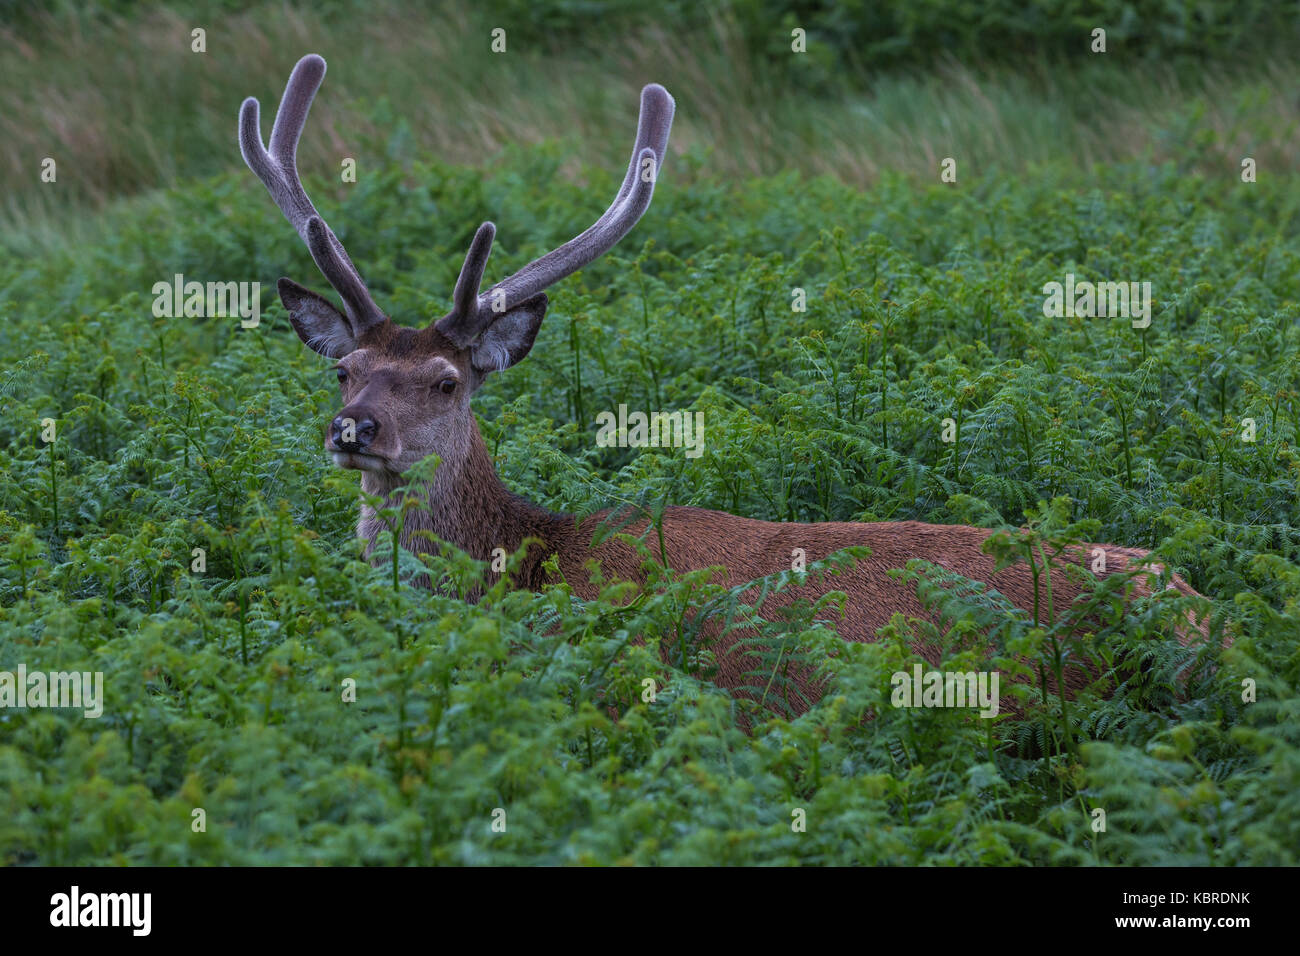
x: 817, y: 170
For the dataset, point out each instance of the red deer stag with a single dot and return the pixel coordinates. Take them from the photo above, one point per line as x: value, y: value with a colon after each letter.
x: 406, y: 394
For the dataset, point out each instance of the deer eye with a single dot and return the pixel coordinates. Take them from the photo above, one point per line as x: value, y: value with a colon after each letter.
x: 342, y: 373
x: 447, y: 386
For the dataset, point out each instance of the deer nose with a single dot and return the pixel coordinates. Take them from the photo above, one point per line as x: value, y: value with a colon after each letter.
x: 349, y: 434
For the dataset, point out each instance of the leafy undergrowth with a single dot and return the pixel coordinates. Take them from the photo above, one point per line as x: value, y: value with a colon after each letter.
x: 225, y: 690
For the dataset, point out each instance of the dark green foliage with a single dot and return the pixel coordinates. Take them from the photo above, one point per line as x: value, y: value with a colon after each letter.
x: 850, y: 33
x: 224, y: 688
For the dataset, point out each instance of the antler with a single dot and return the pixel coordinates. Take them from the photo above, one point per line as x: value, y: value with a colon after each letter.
x: 278, y: 171
x: 472, y: 313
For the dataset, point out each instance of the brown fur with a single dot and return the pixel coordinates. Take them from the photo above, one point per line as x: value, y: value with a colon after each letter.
x: 469, y: 507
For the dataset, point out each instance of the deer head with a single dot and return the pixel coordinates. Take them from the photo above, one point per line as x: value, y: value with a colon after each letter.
x: 406, y: 391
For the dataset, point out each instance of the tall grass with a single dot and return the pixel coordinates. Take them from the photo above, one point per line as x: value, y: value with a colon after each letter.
x: 123, y: 105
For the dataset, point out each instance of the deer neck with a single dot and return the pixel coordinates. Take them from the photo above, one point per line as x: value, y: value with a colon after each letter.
x: 465, y: 504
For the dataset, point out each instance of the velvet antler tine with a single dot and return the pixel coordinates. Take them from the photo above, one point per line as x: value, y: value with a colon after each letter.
x: 277, y: 168
x: 465, y: 299
x: 465, y: 324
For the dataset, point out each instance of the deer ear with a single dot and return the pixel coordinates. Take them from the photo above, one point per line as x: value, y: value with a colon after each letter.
x: 321, y: 327
x: 509, y: 338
